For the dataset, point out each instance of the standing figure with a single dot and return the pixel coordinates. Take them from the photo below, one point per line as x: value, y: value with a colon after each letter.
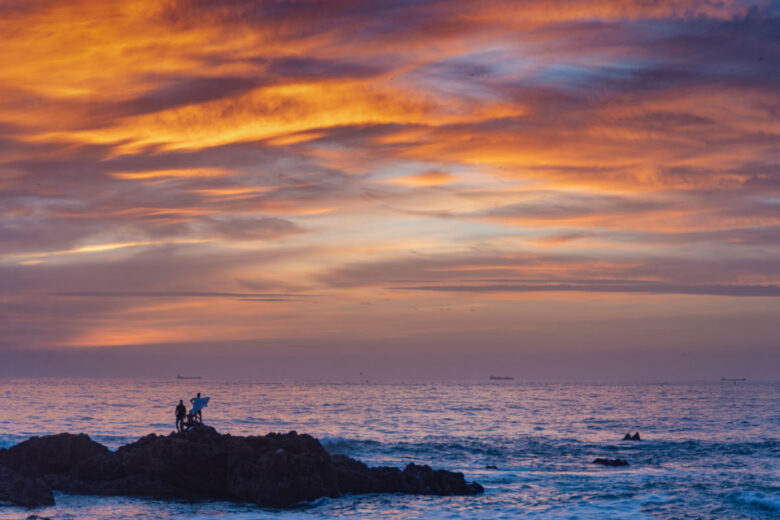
x: 181, y: 412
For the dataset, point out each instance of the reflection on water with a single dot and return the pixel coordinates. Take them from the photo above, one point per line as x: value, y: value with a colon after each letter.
x: 710, y: 450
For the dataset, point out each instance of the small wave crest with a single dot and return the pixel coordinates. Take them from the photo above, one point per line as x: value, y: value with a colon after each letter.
x: 759, y: 500
x: 347, y: 446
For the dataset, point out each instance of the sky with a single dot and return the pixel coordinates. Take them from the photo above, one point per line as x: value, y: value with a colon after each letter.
x: 348, y: 190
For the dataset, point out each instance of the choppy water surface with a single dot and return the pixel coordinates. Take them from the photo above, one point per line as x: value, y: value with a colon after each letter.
x: 710, y: 450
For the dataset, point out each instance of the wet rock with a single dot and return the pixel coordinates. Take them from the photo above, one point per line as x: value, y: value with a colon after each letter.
x: 356, y: 477
x: 611, y: 462
x: 629, y: 437
x: 428, y: 481
x: 20, y: 490
x: 272, y: 470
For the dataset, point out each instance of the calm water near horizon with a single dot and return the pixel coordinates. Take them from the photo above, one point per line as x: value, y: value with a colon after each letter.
x: 710, y: 450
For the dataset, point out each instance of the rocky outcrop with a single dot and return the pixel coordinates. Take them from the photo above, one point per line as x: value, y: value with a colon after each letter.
x: 414, y: 479
x: 19, y: 490
x: 629, y: 437
x: 272, y: 470
x: 52, y: 454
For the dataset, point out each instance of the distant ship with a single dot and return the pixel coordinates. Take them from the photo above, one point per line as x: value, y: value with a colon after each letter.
x: 501, y: 378
x: 188, y: 377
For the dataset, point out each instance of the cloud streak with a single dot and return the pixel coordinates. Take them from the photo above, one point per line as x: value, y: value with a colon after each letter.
x: 638, y: 287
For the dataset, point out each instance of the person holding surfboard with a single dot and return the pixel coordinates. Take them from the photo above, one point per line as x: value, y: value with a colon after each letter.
x: 198, y: 404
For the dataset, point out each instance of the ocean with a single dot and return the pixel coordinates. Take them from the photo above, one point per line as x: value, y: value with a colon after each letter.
x: 709, y: 450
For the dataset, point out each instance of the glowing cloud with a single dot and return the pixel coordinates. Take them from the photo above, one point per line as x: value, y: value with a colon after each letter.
x: 425, y: 179
x: 598, y: 159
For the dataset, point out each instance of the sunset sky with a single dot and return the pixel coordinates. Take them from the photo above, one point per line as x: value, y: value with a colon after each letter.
x: 408, y: 189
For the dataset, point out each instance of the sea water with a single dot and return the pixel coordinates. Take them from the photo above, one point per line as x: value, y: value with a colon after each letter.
x: 709, y: 450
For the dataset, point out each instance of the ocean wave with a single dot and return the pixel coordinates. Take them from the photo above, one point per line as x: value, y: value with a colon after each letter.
x: 538, y: 452
x: 622, y: 509
x: 759, y: 500
x: 345, y: 446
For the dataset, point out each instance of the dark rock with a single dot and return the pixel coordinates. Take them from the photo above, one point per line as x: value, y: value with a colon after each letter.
x: 38, y: 456
x: 356, y: 477
x: 272, y: 470
x: 427, y: 481
x: 491, y: 466
x: 611, y: 462
x: 20, y: 490
x: 36, y: 517
x: 629, y: 437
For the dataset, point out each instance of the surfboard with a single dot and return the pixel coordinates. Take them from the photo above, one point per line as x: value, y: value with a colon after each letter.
x: 198, y: 404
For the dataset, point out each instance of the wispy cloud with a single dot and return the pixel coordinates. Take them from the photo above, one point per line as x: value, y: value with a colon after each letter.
x: 174, y: 294
x: 637, y: 287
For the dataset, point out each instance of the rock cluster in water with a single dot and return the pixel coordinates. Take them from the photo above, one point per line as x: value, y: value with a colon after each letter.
x: 611, y: 462
x: 274, y: 470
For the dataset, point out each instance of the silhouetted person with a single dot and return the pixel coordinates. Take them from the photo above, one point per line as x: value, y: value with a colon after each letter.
x: 181, y: 413
x: 190, y: 421
x: 198, y: 414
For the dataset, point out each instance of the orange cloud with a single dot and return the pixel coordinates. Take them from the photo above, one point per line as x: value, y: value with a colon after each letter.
x: 214, y: 146
x: 425, y: 179
x: 185, y: 172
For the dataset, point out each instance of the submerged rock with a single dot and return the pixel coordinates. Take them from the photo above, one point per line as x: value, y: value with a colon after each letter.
x: 611, y: 462
x: 272, y: 470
